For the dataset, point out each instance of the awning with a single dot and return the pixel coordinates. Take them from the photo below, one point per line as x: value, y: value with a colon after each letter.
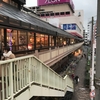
x: 76, y: 34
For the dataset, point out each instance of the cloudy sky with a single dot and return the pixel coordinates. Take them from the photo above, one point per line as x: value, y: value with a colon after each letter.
x: 88, y: 6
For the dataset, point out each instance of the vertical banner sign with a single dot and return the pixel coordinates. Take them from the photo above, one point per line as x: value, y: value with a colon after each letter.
x: 10, y: 41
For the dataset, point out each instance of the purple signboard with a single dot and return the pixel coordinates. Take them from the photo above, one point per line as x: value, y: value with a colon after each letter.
x: 52, y: 2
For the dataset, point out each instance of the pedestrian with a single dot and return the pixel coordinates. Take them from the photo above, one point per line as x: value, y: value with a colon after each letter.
x: 76, y: 79
x: 84, y: 55
x: 7, y: 54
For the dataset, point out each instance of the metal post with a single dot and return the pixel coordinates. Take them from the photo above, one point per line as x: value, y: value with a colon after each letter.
x: 97, y: 78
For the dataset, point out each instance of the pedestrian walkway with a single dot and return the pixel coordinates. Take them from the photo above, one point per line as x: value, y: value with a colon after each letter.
x: 80, y: 93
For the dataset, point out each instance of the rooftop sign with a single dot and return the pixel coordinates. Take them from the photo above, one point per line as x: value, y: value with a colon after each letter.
x: 52, y: 2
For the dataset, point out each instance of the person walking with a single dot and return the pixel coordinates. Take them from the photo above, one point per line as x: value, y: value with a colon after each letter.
x: 76, y: 79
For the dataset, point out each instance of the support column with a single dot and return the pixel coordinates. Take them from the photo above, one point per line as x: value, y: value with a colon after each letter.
x: 34, y: 41
x: 5, y: 38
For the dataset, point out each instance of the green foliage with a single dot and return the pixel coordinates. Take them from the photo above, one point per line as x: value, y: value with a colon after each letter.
x: 87, y: 75
x: 88, y: 62
x: 87, y: 83
x: 87, y: 68
x: 87, y: 79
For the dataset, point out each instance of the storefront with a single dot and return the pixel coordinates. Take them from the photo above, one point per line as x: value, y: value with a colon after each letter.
x: 25, y: 33
x: 20, y: 40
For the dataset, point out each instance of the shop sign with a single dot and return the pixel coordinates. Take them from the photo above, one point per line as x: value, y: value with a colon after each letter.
x: 51, y: 2
x: 3, y: 19
x: 25, y: 25
x: 40, y: 29
x: 14, y: 22
x: 33, y: 27
x: 44, y: 30
x: 68, y: 26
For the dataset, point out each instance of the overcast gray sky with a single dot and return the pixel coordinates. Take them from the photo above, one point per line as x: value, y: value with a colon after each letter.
x: 88, y: 6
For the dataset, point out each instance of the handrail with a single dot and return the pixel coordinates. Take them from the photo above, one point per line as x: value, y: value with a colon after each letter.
x: 19, y: 73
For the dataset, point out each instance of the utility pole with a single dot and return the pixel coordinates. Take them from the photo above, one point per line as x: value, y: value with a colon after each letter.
x: 97, y: 76
x: 92, y: 56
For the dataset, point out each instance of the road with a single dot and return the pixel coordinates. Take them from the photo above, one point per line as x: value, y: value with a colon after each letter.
x: 81, y: 93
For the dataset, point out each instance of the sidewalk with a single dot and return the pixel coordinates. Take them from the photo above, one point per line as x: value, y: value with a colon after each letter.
x: 80, y: 93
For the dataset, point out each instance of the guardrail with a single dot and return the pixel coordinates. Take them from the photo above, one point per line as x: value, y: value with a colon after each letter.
x: 20, y: 73
x: 48, y: 56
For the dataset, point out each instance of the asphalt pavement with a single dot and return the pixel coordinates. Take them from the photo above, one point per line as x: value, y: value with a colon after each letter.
x: 80, y: 92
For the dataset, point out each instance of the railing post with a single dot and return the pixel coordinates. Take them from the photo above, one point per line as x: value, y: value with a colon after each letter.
x: 41, y: 74
x: 58, y: 50
x: 2, y: 82
x: 48, y: 78
x: 11, y: 81
x: 29, y: 72
x: 63, y: 48
x: 37, y: 53
x: 50, y: 53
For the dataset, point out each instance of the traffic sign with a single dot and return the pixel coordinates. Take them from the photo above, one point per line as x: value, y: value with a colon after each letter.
x: 92, y: 94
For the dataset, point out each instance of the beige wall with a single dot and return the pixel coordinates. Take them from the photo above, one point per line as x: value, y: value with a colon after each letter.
x: 67, y: 20
x: 58, y: 8
x: 81, y: 12
x: 72, y: 19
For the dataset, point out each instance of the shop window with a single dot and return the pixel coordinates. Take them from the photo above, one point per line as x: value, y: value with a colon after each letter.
x: 59, y: 41
x: 47, y: 14
x: 12, y: 39
x: 68, y: 13
x: 46, y: 41
x: 42, y: 15
x: 41, y: 41
x: 72, y: 41
x: 51, y: 41
x: 22, y: 40
x: 64, y: 41
x: 52, y: 14
x: 30, y: 40
x: 62, y: 13
x: 57, y: 14
x: 38, y: 15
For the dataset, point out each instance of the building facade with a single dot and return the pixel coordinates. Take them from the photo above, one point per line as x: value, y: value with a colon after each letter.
x: 25, y: 33
x: 62, y: 14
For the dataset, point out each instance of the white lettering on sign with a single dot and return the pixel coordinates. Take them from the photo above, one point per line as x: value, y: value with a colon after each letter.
x: 52, y: 1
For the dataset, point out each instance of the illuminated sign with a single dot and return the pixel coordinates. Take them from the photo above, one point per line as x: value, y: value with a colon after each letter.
x: 52, y: 2
x: 69, y: 26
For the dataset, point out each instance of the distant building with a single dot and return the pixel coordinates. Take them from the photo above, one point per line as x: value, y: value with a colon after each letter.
x: 90, y: 37
x: 61, y: 14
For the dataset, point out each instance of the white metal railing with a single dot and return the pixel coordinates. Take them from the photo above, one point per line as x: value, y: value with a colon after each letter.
x: 19, y: 73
